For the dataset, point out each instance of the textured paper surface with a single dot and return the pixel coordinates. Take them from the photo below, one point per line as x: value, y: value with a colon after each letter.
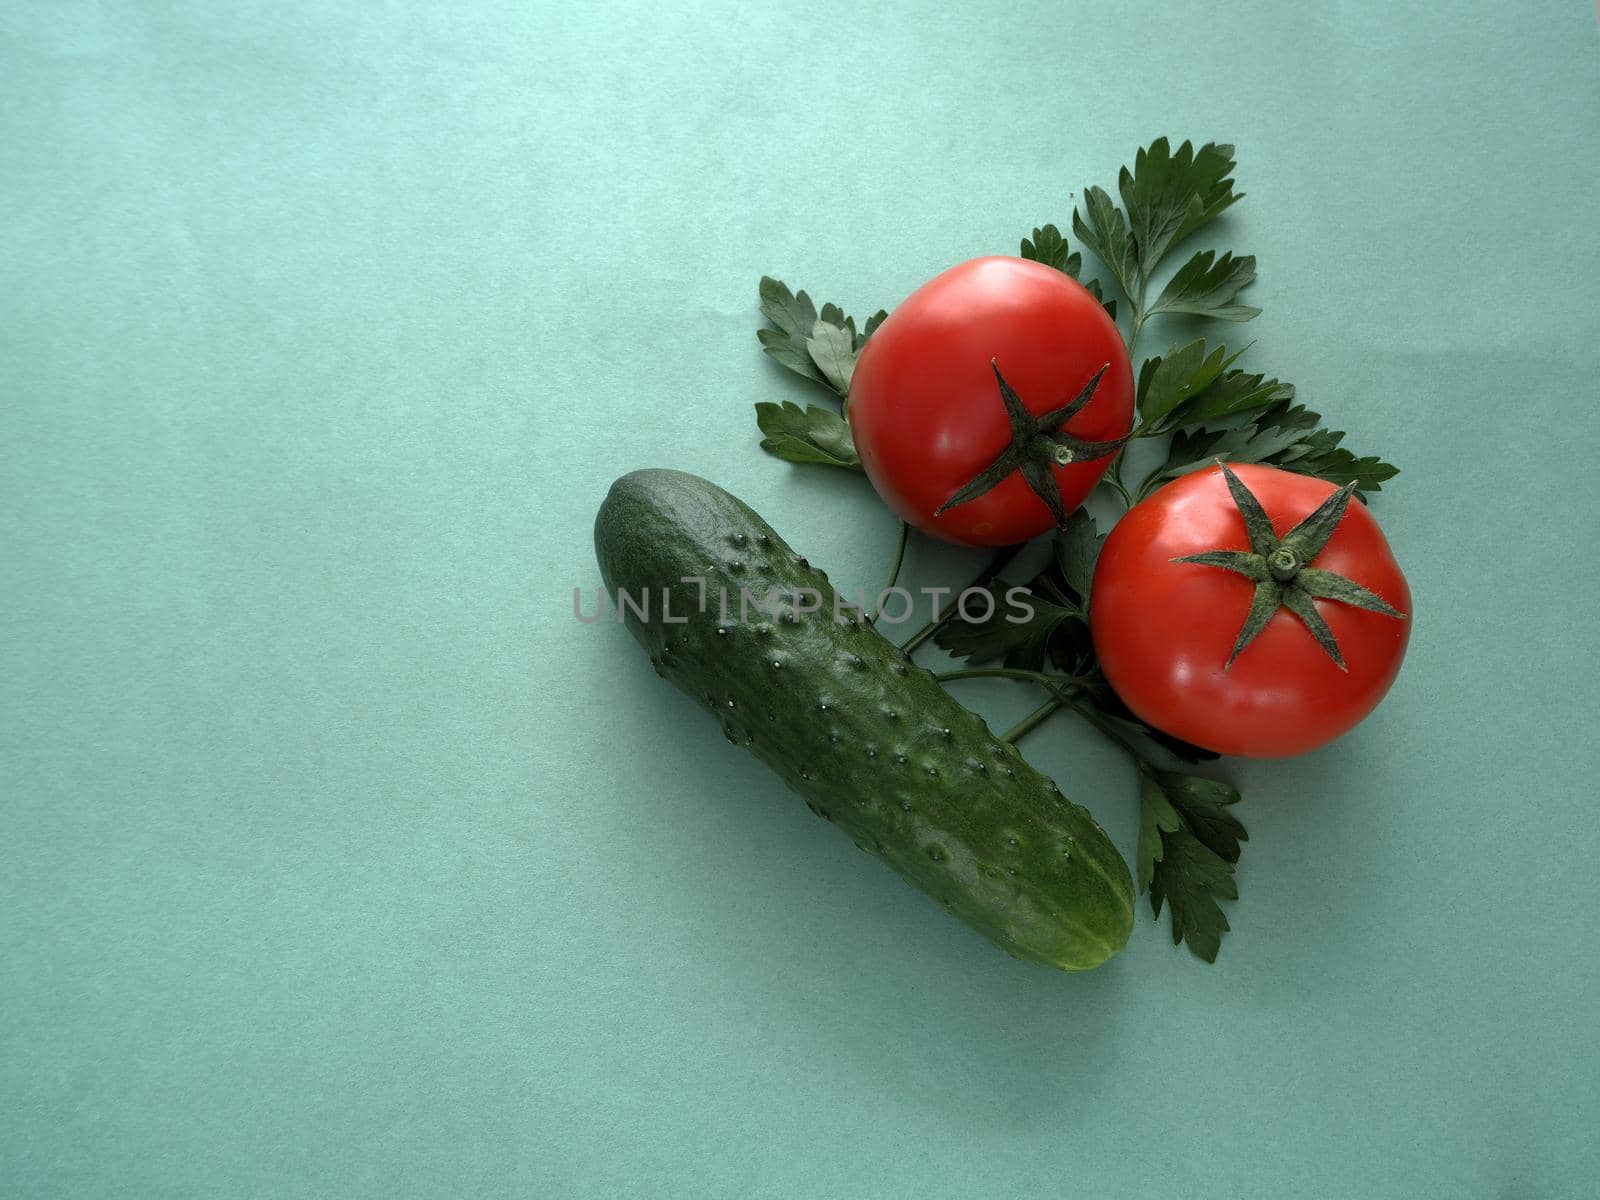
x: 337, y: 860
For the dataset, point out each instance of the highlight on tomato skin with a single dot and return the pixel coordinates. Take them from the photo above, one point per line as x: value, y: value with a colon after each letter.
x: 1165, y: 630
x: 926, y: 406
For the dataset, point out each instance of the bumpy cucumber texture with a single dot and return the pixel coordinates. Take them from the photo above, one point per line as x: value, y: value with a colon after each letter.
x: 869, y: 739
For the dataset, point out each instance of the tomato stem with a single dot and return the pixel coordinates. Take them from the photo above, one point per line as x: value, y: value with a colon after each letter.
x: 1284, y: 564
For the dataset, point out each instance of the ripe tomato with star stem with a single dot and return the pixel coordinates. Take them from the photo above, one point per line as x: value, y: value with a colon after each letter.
x: 989, y: 403
x: 1250, y: 610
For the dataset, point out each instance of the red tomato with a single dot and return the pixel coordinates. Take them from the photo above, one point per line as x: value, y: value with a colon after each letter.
x: 1164, y: 630
x: 927, y: 414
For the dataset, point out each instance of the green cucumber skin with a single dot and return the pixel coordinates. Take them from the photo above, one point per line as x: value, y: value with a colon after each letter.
x: 871, y: 740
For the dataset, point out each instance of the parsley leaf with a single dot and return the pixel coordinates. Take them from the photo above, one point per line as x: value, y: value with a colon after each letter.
x: 1205, y: 806
x: 833, y: 349
x: 793, y: 317
x: 1170, y: 195
x: 1056, y: 629
x: 1106, y: 234
x: 1050, y: 248
x: 1008, y: 632
x: 1230, y: 394
x: 821, y: 347
x: 832, y: 314
x: 1285, y: 435
x: 1206, y: 286
x: 1111, y: 708
x: 1191, y: 385
x: 1190, y: 877
x: 1156, y: 817
x: 1188, y: 843
x: 1092, y: 286
x: 1077, y: 548
x: 1169, y: 381
x: 806, y: 435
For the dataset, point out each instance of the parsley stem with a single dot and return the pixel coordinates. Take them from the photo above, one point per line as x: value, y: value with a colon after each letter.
x: 1061, y: 684
x: 1063, y: 691
x: 1113, y: 480
x: 1139, y: 313
x: 1098, y: 720
x: 894, y: 570
x: 997, y: 564
x: 1060, y: 687
x: 1113, y: 477
x: 1032, y: 721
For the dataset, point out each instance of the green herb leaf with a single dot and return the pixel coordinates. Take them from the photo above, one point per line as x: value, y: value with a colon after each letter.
x: 1322, y: 456
x: 833, y: 348
x: 1204, y: 804
x: 806, y: 435
x: 1111, y: 708
x: 832, y: 314
x: 1169, y: 381
x: 1170, y: 195
x: 793, y: 317
x: 1050, y: 248
x: 1071, y: 647
x: 1206, y: 286
x: 1092, y: 286
x: 1188, y: 843
x: 1190, y: 385
x: 1190, y: 877
x: 1008, y: 633
x: 1156, y: 817
x: 1230, y: 394
x: 1106, y: 234
x: 823, y: 346
x: 1285, y: 435
x: 1055, y: 630
x: 1077, y: 547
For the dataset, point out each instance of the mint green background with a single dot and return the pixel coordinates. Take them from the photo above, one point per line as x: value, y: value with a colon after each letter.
x: 338, y: 860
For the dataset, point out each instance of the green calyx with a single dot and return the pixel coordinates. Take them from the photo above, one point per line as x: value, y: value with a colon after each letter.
x: 1280, y: 568
x: 1037, y: 445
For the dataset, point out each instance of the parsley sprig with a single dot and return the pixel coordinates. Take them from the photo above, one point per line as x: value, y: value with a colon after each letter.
x: 821, y: 347
x: 1195, y: 393
x: 1188, y: 845
x: 1196, y: 397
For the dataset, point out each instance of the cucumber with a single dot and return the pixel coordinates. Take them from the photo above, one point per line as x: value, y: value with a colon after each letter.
x: 869, y: 739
